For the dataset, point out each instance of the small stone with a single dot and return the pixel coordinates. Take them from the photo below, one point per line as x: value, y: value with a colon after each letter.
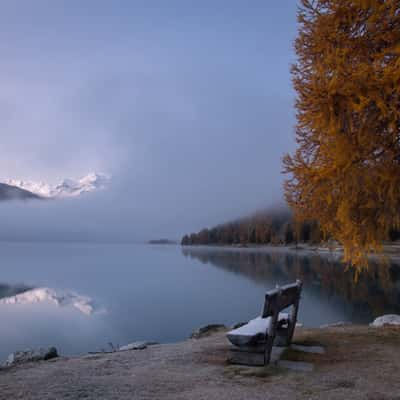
x: 134, y: 346
x: 50, y: 353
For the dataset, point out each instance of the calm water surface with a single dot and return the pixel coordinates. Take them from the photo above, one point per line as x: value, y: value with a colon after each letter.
x: 120, y: 293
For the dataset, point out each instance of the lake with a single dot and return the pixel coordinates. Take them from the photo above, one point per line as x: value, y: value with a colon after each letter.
x: 80, y: 297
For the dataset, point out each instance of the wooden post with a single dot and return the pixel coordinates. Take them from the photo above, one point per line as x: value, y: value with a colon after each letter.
x: 270, y: 337
x: 293, y: 314
x: 271, y: 332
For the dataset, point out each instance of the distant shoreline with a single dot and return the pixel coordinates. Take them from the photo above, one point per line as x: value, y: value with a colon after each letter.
x: 390, y: 249
x: 163, y: 241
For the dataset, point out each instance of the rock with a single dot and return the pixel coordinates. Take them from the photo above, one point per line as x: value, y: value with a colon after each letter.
x: 336, y: 324
x: 134, y: 346
x: 388, y: 319
x: 31, y: 355
x: 207, y: 330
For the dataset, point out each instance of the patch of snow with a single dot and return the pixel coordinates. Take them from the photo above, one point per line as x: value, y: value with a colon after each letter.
x: 66, y: 188
x: 61, y: 298
x: 134, y: 346
x: 257, y: 326
x: 388, y: 319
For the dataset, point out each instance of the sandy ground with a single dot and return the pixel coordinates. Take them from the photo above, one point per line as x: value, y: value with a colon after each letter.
x: 360, y: 363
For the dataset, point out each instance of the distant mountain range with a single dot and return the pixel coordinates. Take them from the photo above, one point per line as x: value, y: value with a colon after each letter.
x: 9, y: 192
x: 19, y: 189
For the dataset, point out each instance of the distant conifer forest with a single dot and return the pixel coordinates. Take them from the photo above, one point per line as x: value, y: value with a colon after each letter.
x: 272, y: 226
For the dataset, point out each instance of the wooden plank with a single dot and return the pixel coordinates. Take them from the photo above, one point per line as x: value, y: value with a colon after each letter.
x: 270, y: 337
x: 246, y: 357
x: 278, y: 299
x: 254, y: 331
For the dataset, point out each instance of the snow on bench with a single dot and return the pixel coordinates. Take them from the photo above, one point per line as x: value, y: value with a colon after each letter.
x: 254, y: 330
x: 253, y: 342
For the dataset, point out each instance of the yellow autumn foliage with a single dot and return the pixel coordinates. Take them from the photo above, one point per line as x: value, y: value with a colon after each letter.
x: 345, y: 171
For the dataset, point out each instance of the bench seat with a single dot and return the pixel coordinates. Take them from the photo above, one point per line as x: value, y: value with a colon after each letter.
x: 254, y: 331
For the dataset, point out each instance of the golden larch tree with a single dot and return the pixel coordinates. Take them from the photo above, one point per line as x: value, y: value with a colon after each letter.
x: 345, y: 172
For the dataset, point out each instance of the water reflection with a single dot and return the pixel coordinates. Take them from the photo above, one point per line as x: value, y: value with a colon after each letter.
x: 60, y: 298
x: 156, y: 293
x: 376, y: 292
x: 42, y: 316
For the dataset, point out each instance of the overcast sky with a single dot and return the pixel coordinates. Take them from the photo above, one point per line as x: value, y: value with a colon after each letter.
x: 188, y: 104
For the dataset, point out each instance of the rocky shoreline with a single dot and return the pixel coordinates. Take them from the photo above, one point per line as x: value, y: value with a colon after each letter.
x: 44, y: 354
x: 354, y: 364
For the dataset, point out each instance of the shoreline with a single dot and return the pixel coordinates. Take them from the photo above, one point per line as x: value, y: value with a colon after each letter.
x: 198, y: 369
x: 390, y: 250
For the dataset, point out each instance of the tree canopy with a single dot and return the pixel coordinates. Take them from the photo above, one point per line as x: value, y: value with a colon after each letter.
x: 345, y: 171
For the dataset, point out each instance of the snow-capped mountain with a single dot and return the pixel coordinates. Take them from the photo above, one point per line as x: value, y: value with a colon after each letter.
x: 66, y: 188
x: 8, y: 192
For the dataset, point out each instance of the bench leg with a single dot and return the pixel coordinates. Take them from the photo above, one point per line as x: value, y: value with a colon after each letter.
x: 293, y: 320
x: 270, y: 338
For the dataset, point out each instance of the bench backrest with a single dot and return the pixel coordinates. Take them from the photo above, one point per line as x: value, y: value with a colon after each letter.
x: 278, y: 299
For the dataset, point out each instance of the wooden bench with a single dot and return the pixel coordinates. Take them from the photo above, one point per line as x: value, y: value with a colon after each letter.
x: 252, y: 342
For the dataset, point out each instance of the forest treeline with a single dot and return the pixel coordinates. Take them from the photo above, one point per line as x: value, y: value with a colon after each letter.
x: 273, y: 226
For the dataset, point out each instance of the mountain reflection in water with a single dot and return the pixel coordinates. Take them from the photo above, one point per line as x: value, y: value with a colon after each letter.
x: 20, y: 295
x: 375, y: 292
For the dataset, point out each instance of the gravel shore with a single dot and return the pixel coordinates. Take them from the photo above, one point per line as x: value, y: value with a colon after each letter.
x: 360, y: 363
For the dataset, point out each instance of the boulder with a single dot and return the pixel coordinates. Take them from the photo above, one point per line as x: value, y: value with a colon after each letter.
x: 31, y: 355
x: 208, y: 330
x: 388, y: 319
